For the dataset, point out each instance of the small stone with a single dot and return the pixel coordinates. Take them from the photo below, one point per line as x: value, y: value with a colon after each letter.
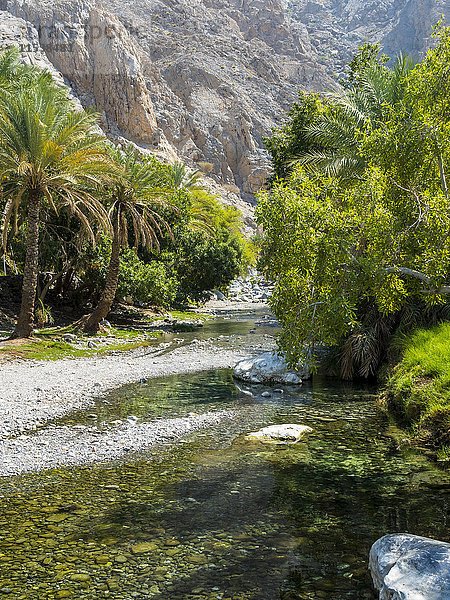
x: 144, y: 547
x: 80, y: 577
x: 112, y: 584
x: 121, y: 559
x: 197, y: 559
x: 58, y: 518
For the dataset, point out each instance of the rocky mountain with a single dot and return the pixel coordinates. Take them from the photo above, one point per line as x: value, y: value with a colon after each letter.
x: 205, y: 80
x: 336, y: 28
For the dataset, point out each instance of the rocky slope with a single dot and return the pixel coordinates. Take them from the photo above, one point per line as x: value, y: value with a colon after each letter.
x: 205, y: 80
x: 336, y: 28
x: 200, y: 79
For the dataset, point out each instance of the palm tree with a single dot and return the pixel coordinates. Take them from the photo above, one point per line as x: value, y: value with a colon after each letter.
x: 183, y: 178
x: 133, y: 199
x: 351, y: 111
x: 52, y: 157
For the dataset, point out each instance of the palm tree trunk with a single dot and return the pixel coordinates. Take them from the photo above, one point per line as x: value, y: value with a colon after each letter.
x: 24, y: 326
x: 90, y: 323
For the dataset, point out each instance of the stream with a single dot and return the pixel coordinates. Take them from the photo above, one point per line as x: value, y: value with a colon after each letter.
x: 215, y: 516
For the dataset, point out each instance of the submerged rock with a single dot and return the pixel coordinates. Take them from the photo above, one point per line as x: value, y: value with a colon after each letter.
x: 409, y: 567
x: 290, y: 433
x: 270, y: 367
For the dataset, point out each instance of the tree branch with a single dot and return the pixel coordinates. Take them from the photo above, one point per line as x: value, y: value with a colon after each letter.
x: 445, y: 289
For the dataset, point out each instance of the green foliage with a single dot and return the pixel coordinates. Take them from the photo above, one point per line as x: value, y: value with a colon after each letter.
x: 203, y: 263
x: 418, y: 388
x: 209, y: 249
x: 325, y: 135
x: 147, y: 283
x: 291, y: 139
x: 368, y: 56
x: 44, y: 314
x: 351, y: 255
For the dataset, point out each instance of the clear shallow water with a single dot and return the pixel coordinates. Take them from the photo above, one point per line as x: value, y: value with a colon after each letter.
x: 217, y: 516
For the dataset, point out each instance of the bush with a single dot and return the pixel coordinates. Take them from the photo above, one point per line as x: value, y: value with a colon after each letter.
x: 149, y: 283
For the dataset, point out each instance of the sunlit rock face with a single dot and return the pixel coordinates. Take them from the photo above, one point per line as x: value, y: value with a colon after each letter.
x: 206, y: 80
x: 336, y: 28
x: 270, y: 368
x: 410, y: 567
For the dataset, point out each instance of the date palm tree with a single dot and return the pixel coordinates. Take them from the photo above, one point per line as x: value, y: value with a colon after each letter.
x: 133, y: 200
x: 51, y: 158
x: 351, y: 111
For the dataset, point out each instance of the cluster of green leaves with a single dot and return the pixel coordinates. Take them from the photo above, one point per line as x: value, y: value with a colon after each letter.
x: 145, y: 282
x: 361, y: 227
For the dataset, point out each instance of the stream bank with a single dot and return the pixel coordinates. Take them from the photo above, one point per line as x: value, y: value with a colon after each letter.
x: 214, y: 516
x: 34, y: 394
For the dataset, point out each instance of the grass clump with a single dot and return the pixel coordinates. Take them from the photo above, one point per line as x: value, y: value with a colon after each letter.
x: 418, y: 387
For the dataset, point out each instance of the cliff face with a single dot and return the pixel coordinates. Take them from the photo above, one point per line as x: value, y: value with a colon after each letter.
x: 336, y: 28
x: 205, y: 80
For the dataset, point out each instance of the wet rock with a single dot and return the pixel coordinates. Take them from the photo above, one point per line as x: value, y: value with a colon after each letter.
x: 143, y: 548
x: 409, y: 567
x: 218, y: 295
x: 290, y: 433
x: 80, y: 577
x: 270, y: 367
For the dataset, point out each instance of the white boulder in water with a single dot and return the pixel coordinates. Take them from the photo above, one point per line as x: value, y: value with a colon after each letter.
x: 290, y: 433
x: 270, y: 367
x: 409, y: 567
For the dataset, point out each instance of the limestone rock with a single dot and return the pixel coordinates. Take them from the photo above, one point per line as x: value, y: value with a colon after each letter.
x: 269, y: 367
x: 336, y: 28
x: 204, y: 80
x: 409, y: 567
x: 290, y: 433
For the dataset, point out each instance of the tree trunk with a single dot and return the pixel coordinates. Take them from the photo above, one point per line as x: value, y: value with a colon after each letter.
x: 24, y: 326
x: 90, y: 323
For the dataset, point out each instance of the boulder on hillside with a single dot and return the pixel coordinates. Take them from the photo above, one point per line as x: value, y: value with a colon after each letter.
x: 270, y: 367
x: 409, y: 567
x: 288, y: 434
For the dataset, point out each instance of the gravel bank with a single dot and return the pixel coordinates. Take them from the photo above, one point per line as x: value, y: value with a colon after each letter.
x: 80, y: 445
x: 33, y: 392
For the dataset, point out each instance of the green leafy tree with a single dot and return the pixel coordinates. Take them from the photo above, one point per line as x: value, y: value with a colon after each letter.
x: 324, y: 135
x: 355, y: 259
x: 291, y: 139
x: 335, y: 250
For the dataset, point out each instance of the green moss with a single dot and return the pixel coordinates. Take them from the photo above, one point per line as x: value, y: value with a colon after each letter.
x: 418, y: 387
x: 43, y: 348
x: 184, y: 316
